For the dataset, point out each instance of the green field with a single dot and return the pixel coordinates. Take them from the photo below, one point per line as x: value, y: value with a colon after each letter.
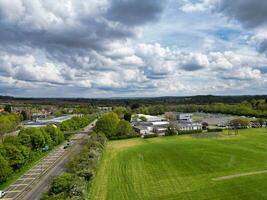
x: 183, y: 167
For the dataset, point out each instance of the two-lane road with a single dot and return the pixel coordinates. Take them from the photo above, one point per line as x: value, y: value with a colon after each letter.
x: 33, y: 183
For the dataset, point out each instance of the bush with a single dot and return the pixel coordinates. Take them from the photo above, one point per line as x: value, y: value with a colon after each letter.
x: 215, y: 130
x: 150, y: 136
x: 14, y: 156
x: 189, y: 132
x: 80, y: 170
x: 122, y: 137
x: 5, y: 170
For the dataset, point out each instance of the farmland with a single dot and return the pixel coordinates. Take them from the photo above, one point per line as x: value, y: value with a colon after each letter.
x: 184, y: 167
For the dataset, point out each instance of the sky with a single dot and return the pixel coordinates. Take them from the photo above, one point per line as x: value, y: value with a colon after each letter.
x: 132, y: 48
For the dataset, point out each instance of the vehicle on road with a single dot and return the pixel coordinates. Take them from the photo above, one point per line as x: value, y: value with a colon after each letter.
x: 2, y: 194
x: 66, y: 146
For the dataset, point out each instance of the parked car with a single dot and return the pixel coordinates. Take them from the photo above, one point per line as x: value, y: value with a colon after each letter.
x: 2, y: 194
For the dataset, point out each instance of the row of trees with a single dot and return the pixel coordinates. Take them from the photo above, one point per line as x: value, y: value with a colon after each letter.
x: 76, y: 123
x: 113, y: 127
x: 253, y: 108
x: 17, y: 151
x: 73, y: 183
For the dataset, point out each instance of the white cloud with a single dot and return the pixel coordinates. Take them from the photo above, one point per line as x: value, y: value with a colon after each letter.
x: 201, y: 6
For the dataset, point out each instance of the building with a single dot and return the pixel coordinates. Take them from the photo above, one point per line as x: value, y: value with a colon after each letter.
x: 184, y: 117
x: 150, y: 118
x: 143, y: 130
x: 152, y: 125
x: 187, y: 126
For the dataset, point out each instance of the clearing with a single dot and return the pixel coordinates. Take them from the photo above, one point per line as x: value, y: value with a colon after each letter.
x: 184, y: 167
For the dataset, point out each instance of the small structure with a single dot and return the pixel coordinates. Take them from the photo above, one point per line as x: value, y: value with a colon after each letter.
x: 184, y: 117
x: 143, y: 130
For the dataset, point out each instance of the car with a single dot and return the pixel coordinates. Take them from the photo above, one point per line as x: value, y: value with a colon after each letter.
x: 2, y: 194
x: 66, y: 146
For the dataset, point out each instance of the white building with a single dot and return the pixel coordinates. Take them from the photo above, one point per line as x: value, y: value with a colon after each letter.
x: 151, y: 118
x: 188, y: 126
x: 153, y: 124
x: 186, y: 117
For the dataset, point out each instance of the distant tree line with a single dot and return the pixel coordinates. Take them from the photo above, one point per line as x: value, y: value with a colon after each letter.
x: 257, y: 108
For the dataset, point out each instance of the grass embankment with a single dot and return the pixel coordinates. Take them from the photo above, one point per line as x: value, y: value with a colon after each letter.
x: 183, y: 167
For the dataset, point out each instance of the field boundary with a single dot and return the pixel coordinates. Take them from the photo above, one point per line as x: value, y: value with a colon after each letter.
x: 239, y: 175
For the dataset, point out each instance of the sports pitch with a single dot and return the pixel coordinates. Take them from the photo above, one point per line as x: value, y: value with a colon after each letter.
x: 184, y: 167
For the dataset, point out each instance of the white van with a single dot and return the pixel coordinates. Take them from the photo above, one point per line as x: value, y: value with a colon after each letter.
x: 2, y: 194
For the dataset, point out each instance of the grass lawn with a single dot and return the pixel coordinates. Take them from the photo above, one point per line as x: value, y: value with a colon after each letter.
x: 183, y: 167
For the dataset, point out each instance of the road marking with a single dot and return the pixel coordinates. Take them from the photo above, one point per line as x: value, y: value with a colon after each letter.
x: 239, y: 175
x: 13, y: 191
x: 22, y: 184
x: 28, y: 178
x: 32, y: 174
x: 7, y: 199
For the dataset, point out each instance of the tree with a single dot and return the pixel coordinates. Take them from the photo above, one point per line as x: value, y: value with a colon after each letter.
x: 8, y: 108
x: 170, y: 131
x: 170, y: 116
x: 5, y: 170
x: 124, y: 128
x: 24, y: 115
x: 25, y: 139
x: 108, y: 124
x: 55, y: 134
x: 48, y: 140
x: 135, y: 106
x: 14, y: 156
x: 127, y: 116
x: 143, y: 118
x: 240, y: 123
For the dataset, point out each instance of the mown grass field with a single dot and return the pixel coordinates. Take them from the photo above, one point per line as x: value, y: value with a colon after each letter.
x: 183, y: 167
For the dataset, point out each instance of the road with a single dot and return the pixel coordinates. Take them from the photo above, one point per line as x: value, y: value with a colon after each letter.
x: 33, y: 183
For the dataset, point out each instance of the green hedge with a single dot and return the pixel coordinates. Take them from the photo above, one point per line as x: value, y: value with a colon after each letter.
x: 123, y: 137
x: 215, y: 130
x: 189, y: 132
x: 80, y: 171
x: 150, y: 136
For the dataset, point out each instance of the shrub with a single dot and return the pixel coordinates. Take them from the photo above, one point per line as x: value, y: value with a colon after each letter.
x: 122, y: 137
x: 150, y: 136
x: 215, y: 130
x: 189, y: 132
x: 5, y: 170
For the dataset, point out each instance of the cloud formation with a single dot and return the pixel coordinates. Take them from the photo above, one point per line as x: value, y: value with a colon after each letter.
x: 101, y: 48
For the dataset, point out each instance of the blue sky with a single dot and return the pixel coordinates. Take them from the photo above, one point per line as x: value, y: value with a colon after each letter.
x: 132, y: 48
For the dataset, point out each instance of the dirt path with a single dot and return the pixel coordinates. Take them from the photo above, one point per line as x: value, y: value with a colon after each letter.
x: 239, y: 175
